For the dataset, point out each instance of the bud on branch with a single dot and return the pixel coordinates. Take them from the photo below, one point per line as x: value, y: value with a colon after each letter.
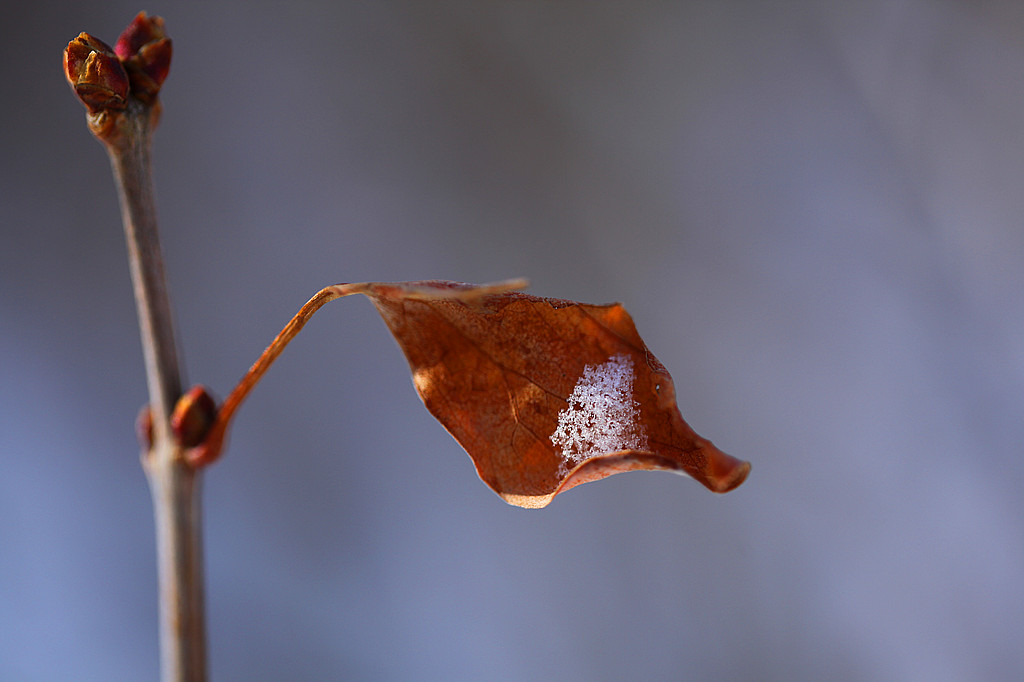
x: 96, y: 74
x: 107, y: 79
x: 145, y: 50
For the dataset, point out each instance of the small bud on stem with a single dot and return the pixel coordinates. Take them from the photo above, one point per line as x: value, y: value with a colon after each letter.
x: 192, y: 417
x: 144, y: 428
x: 145, y: 50
x: 95, y: 73
x: 98, y: 79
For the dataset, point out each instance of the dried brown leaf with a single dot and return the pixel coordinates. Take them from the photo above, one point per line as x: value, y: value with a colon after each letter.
x: 544, y: 394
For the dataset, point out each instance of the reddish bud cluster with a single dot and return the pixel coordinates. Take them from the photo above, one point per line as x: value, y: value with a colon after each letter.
x: 104, y: 77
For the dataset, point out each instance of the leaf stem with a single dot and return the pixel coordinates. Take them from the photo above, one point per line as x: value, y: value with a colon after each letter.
x: 210, y: 449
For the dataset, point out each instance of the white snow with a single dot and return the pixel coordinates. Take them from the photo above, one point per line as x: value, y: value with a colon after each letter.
x: 602, y: 415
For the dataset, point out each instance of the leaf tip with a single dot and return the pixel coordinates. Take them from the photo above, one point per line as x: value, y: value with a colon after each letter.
x: 724, y: 472
x: 528, y: 501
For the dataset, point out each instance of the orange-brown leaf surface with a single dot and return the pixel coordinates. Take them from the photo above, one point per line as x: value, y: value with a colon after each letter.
x: 544, y: 394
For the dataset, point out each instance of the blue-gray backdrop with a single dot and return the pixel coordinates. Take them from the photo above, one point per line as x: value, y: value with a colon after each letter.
x: 813, y: 211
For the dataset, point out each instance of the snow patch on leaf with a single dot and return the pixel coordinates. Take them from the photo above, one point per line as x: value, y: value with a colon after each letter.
x: 602, y: 415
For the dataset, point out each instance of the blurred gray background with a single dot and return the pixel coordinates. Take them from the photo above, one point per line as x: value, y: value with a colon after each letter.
x: 813, y: 211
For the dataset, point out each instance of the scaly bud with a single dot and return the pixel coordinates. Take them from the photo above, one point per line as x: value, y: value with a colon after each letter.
x: 145, y: 50
x: 96, y: 74
x: 192, y: 416
x: 144, y: 427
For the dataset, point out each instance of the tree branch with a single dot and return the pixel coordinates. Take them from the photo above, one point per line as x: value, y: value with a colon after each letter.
x: 175, y: 486
x: 130, y: 162
x: 119, y: 88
